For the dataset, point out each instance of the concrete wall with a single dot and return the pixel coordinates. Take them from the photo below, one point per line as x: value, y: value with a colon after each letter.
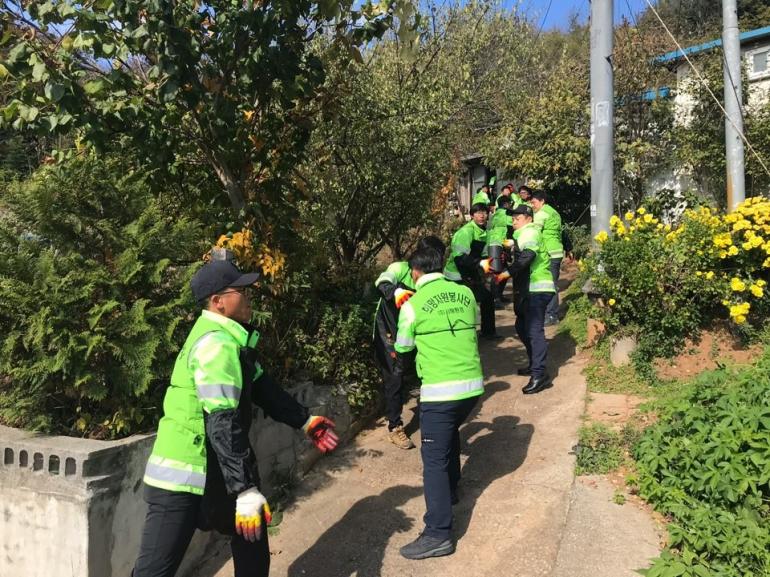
x: 73, y: 507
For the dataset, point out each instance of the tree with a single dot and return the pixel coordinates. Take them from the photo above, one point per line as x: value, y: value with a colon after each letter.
x: 231, y: 84
x: 382, y: 155
x: 643, y: 119
x: 545, y: 134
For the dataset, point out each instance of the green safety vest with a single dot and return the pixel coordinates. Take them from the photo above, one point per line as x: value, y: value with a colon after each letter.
x: 498, y: 227
x: 397, y: 273
x: 207, y: 377
x: 440, y: 321
x: 462, y: 242
x: 529, y: 237
x: 549, y: 222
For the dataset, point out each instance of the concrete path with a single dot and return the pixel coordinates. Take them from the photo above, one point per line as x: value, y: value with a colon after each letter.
x: 355, y: 510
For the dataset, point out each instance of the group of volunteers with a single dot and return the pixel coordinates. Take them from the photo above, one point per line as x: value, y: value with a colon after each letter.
x: 426, y: 323
x: 202, y: 472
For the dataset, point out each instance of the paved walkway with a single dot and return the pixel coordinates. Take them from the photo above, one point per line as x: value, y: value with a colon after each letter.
x: 355, y: 510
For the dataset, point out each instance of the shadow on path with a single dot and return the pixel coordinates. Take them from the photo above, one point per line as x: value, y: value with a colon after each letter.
x: 356, y: 543
x: 495, y: 449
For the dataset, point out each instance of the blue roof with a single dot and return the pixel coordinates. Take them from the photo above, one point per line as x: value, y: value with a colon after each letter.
x: 744, y: 37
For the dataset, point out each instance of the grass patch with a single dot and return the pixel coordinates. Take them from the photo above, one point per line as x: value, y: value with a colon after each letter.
x: 599, y: 450
x: 603, y: 377
x: 575, y: 321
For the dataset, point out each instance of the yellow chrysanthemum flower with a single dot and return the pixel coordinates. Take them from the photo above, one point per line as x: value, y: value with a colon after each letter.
x: 710, y: 275
x: 611, y: 302
x: 601, y: 237
x: 737, y: 285
x: 757, y: 291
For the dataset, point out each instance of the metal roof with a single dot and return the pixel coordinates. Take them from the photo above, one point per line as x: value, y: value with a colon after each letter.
x: 745, y: 37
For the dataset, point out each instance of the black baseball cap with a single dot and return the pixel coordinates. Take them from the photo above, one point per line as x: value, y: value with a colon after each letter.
x: 216, y: 276
x: 522, y: 209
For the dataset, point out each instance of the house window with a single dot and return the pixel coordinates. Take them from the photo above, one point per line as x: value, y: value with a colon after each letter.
x: 759, y: 63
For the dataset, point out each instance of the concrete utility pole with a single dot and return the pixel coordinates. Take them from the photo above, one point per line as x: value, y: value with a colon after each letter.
x: 731, y: 43
x: 602, y: 115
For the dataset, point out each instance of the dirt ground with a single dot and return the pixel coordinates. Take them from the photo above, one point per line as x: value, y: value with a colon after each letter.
x: 520, y: 512
x: 716, y: 346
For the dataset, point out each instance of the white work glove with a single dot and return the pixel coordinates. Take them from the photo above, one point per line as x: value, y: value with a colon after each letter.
x: 250, y: 507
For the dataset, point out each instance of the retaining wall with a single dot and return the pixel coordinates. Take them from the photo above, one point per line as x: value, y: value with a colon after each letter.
x: 73, y: 507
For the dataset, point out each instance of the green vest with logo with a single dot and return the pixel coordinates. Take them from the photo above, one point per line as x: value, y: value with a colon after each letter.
x: 440, y: 321
x: 207, y: 377
x: 529, y: 237
x: 549, y: 221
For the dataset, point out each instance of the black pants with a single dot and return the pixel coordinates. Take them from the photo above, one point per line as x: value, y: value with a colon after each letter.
x: 530, y: 326
x: 395, y: 370
x: 487, y: 306
x: 553, y: 305
x: 440, y: 423
x: 172, y: 518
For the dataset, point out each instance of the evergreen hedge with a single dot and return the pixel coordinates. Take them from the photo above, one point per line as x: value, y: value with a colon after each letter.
x: 93, y: 298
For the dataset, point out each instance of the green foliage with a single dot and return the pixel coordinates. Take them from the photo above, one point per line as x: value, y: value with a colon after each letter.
x: 579, y: 310
x: 580, y: 235
x: 599, y: 450
x: 706, y: 464
x: 652, y: 278
x: 233, y: 85
x: 337, y: 351
x: 93, y: 298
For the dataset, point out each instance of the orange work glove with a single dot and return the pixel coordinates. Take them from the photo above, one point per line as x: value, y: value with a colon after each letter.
x: 502, y: 277
x: 320, y: 430
x: 401, y: 296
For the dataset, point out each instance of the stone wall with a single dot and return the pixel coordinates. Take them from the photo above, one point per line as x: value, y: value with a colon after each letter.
x: 73, y: 507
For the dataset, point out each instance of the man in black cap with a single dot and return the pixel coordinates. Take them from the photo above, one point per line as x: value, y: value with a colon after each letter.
x: 533, y: 288
x: 202, y: 472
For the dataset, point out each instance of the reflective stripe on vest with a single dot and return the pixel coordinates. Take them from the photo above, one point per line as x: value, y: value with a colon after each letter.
x: 451, y: 390
x: 404, y: 341
x: 218, y: 392
x: 174, y: 475
x: 542, y: 287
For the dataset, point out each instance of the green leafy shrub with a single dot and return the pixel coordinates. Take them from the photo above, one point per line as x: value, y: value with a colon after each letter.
x: 337, y: 351
x: 580, y: 235
x: 93, y: 299
x: 659, y: 281
x: 706, y: 464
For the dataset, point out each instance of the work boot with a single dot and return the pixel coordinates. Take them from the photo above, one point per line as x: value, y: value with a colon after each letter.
x: 399, y: 438
x: 424, y: 547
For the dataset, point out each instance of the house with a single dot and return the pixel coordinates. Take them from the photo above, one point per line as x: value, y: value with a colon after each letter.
x: 755, y: 52
x: 474, y: 174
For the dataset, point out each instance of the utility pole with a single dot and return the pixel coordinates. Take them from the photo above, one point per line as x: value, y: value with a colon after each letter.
x: 602, y: 115
x: 731, y: 43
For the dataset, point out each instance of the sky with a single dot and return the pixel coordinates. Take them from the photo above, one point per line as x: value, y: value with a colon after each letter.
x: 561, y: 10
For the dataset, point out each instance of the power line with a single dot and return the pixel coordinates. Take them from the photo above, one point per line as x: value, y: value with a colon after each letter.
x: 708, y: 88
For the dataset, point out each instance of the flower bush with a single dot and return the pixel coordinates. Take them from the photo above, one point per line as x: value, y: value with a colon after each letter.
x: 664, y: 281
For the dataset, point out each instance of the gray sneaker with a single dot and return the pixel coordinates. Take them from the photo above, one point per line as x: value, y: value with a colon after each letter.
x: 424, y: 547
